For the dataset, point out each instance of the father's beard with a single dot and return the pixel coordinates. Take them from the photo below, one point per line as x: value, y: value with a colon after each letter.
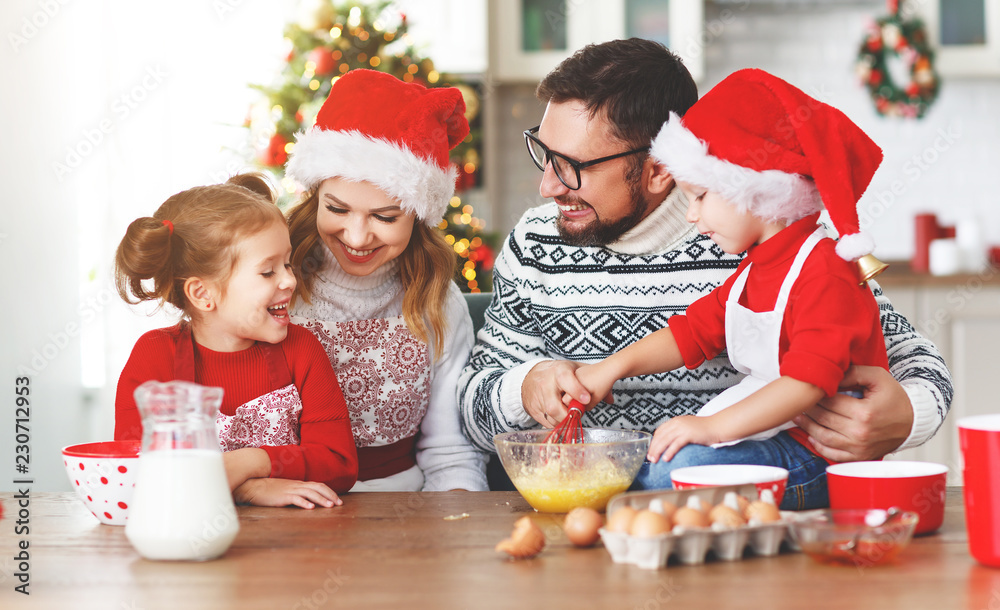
x: 598, y: 232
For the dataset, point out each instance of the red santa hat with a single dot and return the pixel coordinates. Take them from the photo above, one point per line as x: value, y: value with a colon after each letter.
x: 375, y: 128
x: 775, y: 152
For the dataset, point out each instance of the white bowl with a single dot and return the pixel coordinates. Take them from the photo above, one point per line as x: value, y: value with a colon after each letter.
x: 103, y: 475
x: 763, y: 477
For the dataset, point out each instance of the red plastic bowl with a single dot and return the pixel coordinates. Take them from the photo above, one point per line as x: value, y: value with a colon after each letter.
x: 912, y: 486
x: 763, y: 477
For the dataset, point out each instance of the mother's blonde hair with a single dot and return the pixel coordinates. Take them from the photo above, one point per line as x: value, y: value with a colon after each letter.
x: 426, y: 268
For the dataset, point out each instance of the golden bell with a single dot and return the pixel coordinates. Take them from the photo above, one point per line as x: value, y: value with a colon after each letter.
x: 869, y: 267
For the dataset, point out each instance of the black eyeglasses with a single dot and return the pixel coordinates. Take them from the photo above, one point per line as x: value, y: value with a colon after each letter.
x: 566, y: 169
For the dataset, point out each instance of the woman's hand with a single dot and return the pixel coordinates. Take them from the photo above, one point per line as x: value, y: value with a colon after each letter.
x: 286, y: 492
x: 679, y: 431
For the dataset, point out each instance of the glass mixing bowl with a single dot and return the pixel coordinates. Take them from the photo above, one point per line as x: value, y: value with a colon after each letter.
x: 555, y: 478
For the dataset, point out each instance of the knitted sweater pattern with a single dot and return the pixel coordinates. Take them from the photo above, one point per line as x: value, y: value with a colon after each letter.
x: 553, y: 300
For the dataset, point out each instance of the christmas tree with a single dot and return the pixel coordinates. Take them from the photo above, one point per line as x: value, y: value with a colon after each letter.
x: 326, y: 41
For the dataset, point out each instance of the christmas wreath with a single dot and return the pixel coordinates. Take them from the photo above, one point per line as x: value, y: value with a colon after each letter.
x: 905, y: 38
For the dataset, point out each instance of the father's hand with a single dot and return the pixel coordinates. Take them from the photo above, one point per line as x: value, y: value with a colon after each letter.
x: 847, y: 429
x: 543, y: 387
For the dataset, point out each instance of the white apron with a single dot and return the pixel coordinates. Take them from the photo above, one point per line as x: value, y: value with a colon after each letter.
x: 752, y: 341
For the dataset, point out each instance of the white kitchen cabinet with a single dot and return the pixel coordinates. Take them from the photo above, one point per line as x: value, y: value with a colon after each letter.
x: 528, y: 38
x: 961, y: 314
x: 965, y: 35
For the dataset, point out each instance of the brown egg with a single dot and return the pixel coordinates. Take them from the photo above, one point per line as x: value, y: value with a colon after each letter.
x: 527, y: 540
x: 664, y: 507
x: 687, y: 516
x: 581, y: 526
x: 762, y: 512
x: 621, y: 520
x: 725, y: 516
x: 648, y: 523
x: 743, y: 503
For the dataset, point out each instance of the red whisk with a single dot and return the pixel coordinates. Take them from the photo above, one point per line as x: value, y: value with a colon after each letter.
x: 569, y: 430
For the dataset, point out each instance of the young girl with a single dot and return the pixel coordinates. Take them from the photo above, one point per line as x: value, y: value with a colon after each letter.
x: 376, y: 275
x: 757, y: 160
x: 221, y: 255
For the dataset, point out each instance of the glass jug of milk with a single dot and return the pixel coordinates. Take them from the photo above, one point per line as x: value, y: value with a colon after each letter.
x: 182, y: 508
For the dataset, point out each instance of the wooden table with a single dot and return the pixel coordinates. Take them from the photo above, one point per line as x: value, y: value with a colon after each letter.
x: 396, y: 550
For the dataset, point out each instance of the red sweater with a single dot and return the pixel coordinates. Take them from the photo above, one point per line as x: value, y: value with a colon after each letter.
x: 830, y: 323
x: 326, y: 452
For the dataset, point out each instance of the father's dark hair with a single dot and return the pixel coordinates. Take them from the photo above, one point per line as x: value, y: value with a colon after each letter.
x: 635, y: 82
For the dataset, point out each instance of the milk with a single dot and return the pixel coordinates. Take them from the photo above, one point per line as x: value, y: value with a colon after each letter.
x: 182, y: 507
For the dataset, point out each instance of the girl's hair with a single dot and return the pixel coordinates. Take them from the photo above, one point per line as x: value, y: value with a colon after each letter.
x: 195, y: 233
x: 426, y: 267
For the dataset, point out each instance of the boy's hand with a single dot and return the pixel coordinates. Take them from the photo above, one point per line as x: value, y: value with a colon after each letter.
x: 286, y: 492
x: 598, y: 380
x: 671, y: 436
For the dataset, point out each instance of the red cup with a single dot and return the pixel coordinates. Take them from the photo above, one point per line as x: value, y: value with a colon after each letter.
x: 711, y: 475
x: 926, y: 230
x: 911, y: 486
x: 995, y: 256
x: 979, y: 437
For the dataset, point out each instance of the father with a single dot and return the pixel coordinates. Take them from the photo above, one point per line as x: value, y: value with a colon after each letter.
x: 612, y: 258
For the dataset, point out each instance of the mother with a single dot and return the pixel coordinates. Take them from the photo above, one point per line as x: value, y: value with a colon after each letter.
x: 376, y: 276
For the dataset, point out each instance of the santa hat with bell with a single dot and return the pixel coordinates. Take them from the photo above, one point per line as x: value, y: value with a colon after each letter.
x: 775, y: 152
x: 376, y: 128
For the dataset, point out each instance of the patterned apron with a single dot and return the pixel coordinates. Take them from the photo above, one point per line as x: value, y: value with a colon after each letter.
x: 752, y: 341
x: 269, y: 420
x: 384, y: 372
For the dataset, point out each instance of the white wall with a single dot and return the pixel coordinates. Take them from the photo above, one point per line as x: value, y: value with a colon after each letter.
x: 109, y: 106
x: 813, y: 44
x: 944, y: 163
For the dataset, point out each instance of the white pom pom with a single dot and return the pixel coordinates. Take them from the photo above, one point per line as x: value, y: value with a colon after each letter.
x: 853, y: 247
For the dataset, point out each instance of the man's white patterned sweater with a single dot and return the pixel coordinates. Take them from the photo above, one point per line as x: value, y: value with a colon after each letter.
x: 552, y: 300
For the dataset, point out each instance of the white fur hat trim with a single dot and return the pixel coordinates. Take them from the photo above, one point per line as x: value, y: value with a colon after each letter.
x: 420, y: 185
x: 770, y: 195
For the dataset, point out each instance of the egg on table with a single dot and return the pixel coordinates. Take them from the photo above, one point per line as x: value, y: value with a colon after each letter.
x: 527, y: 540
x: 582, y: 526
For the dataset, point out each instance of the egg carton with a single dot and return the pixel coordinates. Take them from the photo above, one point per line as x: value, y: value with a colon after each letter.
x: 691, y: 546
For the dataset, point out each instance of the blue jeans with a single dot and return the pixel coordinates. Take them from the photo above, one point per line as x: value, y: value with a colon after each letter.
x: 806, y: 486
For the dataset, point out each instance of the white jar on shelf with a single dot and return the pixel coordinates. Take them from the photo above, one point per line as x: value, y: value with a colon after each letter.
x: 945, y: 257
x: 972, y: 243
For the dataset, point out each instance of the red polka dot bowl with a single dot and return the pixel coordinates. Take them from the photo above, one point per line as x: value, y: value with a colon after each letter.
x: 769, y: 478
x: 103, y: 475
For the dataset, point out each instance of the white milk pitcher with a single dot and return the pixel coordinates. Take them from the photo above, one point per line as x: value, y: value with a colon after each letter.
x: 182, y: 508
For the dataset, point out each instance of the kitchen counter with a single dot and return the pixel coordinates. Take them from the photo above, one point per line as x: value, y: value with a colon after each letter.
x: 397, y: 550
x: 899, y: 273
